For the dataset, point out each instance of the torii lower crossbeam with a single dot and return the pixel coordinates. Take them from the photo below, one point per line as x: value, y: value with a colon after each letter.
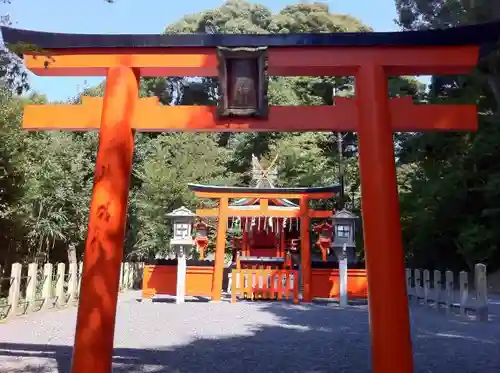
x: 151, y: 116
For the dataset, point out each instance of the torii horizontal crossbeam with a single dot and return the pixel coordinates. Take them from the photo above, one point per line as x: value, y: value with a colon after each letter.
x: 150, y: 116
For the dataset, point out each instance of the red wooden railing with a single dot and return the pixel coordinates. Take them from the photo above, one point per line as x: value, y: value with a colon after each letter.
x: 279, y: 284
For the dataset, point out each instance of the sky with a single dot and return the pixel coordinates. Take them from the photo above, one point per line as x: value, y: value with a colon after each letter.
x: 146, y: 17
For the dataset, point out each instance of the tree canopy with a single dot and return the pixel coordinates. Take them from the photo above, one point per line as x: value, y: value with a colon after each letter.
x: 449, y: 200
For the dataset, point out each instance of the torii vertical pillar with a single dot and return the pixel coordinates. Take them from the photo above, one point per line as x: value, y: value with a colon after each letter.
x: 95, y: 325
x: 220, y: 248
x: 388, y: 301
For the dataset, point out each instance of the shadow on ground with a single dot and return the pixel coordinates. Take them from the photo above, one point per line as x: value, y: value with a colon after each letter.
x: 309, y: 339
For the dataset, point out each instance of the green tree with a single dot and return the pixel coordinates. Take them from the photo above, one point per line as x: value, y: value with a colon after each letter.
x: 448, y: 181
x: 173, y: 161
x: 11, y: 174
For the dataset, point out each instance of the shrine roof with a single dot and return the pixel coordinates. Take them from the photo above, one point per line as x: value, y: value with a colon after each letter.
x: 263, y: 191
x: 257, y: 207
x: 463, y: 35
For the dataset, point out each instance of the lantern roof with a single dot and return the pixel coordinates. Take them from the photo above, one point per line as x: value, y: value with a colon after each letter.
x: 344, y: 214
x: 181, y: 212
x: 453, y: 36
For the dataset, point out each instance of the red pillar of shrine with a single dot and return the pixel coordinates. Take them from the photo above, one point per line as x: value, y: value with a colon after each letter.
x: 388, y: 301
x: 305, y: 250
x: 95, y: 325
x: 244, y: 239
x: 282, y: 244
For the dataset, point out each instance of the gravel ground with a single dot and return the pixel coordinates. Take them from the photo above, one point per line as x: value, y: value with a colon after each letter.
x: 248, y: 337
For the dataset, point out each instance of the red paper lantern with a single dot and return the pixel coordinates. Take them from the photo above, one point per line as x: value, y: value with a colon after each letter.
x: 324, y: 231
x: 201, y: 238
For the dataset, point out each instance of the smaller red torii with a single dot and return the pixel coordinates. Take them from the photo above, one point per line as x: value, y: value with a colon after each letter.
x: 223, y: 211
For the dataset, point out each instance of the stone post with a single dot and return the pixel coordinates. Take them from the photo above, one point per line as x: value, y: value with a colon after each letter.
x: 80, y: 271
x: 181, y: 275
x: 427, y: 286
x: 73, y: 281
x: 450, y: 288
x: 121, y: 276
x: 60, y: 296
x: 438, y: 286
x: 126, y: 275
x: 464, y: 291
x: 15, y: 288
x: 481, y: 292
x: 131, y: 275
x: 344, y: 294
x: 31, y: 287
x: 409, y: 288
x: 48, y: 270
x: 418, y: 286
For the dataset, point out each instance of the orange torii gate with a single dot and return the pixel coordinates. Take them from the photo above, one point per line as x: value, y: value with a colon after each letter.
x: 369, y: 57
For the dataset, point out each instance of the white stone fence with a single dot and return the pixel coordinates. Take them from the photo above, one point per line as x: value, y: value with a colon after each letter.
x: 432, y: 289
x: 32, y: 287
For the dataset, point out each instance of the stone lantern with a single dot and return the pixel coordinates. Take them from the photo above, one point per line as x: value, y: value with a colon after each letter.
x: 344, y: 223
x: 181, y: 242
x: 344, y: 242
